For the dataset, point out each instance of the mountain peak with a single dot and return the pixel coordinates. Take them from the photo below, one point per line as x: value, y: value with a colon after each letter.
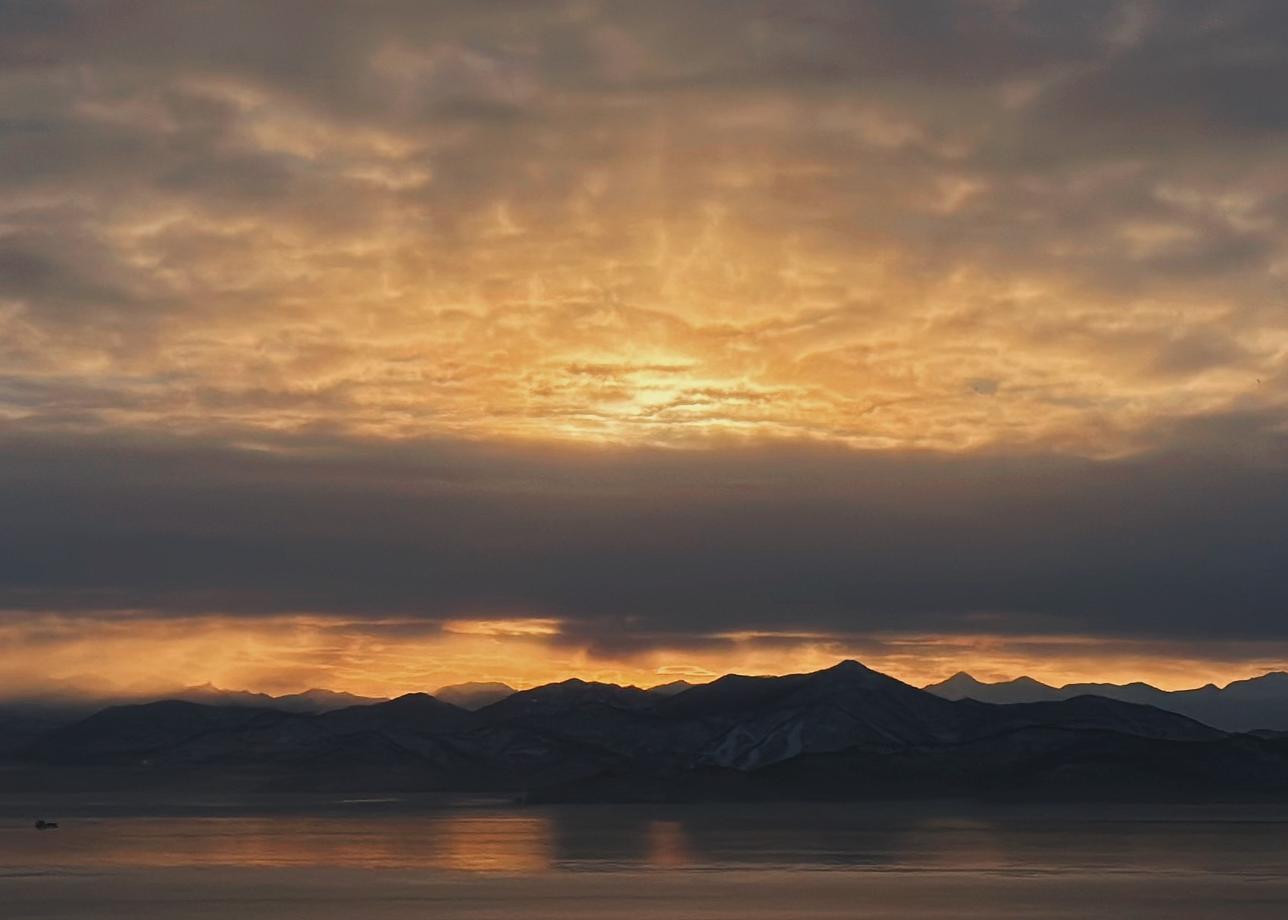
x: 1025, y: 681
x: 474, y: 685
x: 961, y: 679
x: 850, y: 665
x: 670, y: 689
x: 474, y: 695
x: 415, y: 699
x: 960, y: 685
x: 851, y: 671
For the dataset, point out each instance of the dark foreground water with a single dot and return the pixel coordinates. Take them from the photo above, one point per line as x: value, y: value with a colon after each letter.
x: 412, y: 859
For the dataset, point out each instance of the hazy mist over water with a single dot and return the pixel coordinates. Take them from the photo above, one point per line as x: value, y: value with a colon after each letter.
x: 395, y: 859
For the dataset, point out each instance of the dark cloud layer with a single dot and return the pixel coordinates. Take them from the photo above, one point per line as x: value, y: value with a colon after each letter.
x: 627, y: 544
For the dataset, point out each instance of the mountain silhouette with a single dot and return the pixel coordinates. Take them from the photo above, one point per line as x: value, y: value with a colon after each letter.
x: 1258, y: 703
x: 843, y: 732
x: 474, y: 694
x: 671, y: 689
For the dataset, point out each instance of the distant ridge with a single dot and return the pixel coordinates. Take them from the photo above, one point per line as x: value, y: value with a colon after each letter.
x: 674, y: 687
x: 315, y: 700
x: 844, y: 732
x: 25, y: 719
x: 474, y: 694
x: 1020, y: 690
x: 1258, y: 703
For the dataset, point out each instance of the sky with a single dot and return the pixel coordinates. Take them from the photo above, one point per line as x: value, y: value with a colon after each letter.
x: 384, y: 345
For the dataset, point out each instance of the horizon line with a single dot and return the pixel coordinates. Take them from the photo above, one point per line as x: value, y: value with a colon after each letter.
x: 134, y: 693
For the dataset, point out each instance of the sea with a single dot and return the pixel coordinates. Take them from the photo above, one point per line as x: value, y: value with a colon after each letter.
x: 386, y: 857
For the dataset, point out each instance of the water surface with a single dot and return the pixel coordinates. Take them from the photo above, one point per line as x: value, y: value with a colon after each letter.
x: 411, y: 858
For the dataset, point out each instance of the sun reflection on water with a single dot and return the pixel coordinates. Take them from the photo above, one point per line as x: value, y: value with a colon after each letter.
x: 514, y: 843
x: 495, y: 843
x: 668, y: 845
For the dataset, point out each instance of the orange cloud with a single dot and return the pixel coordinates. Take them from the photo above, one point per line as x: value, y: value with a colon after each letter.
x: 386, y: 658
x: 737, y: 260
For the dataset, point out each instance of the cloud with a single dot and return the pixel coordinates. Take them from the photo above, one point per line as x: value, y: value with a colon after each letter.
x: 419, y: 219
x: 624, y: 546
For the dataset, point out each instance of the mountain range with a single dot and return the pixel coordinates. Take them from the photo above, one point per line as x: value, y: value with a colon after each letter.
x: 1259, y: 703
x: 24, y: 719
x: 474, y: 694
x: 842, y: 733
